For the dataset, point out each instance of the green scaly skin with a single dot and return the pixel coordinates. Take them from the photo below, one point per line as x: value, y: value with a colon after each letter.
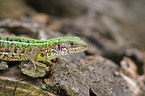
x: 25, y: 49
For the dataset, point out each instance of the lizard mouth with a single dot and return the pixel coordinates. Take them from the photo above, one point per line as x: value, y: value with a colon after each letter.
x: 84, y: 46
x: 79, y: 48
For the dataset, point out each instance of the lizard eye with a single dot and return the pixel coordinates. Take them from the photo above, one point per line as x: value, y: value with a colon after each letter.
x: 71, y: 43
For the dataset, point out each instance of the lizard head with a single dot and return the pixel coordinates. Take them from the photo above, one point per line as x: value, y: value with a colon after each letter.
x: 75, y: 44
x: 68, y: 45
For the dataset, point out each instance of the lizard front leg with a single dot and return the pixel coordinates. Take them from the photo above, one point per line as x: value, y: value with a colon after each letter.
x: 34, y: 55
x: 33, y: 68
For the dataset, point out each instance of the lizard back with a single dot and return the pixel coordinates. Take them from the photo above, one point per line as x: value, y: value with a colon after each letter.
x: 16, y: 48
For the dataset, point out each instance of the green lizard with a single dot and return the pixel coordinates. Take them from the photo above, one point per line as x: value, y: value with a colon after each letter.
x: 25, y: 49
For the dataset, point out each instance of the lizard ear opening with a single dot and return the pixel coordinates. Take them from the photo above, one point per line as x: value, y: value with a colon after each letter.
x: 59, y: 47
